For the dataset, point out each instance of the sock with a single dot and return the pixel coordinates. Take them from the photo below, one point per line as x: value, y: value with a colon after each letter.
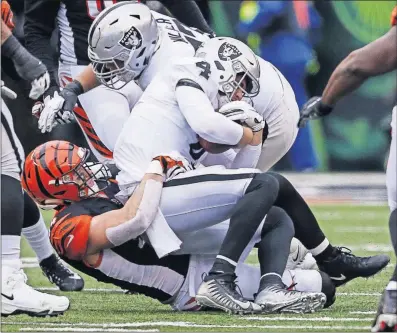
x: 392, y: 285
x: 223, y: 265
x: 270, y: 279
x: 248, y: 214
x: 307, y: 229
x: 393, y: 235
x: 10, y: 249
x: 37, y: 236
x: 323, y: 252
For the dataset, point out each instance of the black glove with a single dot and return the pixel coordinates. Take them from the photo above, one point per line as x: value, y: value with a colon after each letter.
x: 314, y: 108
x: 70, y: 94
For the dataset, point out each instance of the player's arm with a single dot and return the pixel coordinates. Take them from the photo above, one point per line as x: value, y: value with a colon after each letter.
x: 118, y: 226
x: 189, y: 13
x: 38, y: 27
x: 208, y: 124
x: 374, y: 59
x: 27, y: 66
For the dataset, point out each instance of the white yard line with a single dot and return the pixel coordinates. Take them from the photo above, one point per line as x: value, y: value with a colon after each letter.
x: 316, y: 319
x: 363, y: 312
x: 81, y: 329
x: 84, y: 326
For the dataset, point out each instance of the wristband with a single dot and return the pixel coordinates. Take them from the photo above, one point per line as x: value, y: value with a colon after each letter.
x: 75, y: 87
x: 325, y: 109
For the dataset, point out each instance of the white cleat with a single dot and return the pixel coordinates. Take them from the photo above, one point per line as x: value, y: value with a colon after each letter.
x: 300, y: 257
x: 276, y: 299
x: 19, y: 298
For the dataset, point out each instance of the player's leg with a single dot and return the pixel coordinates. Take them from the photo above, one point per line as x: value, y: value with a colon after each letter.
x: 17, y: 296
x: 386, y: 318
x: 273, y: 251
x: 342, y: 266
x: 36, y: 233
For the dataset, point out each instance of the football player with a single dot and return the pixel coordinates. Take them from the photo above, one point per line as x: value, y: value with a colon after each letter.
x: 133, y: 56
x: 96, y: 112
x: 96, y: 234
x: 374, y: 59
x: 176, y: 113
x: 34, y: 228
x: 16, y: 296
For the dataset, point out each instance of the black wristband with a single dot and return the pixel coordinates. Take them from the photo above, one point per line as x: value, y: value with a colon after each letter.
x: 10, y: 46
x: 325, y: 109
x: 75, y: 87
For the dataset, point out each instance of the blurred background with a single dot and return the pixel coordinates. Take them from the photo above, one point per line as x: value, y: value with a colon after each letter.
x: 305, y: 40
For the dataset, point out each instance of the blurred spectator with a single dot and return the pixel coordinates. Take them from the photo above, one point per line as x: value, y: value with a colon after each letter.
x: 283, y: 33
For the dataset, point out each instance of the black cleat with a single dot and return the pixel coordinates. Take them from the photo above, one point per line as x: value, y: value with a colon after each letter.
x: 386, y: 318
x: 343, y: 266
x: 62, y: 276
x: 219, y: 291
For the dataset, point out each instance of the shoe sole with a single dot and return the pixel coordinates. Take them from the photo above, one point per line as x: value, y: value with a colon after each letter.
x: 385, y: 323
x: 205, y: 301
x: 304, y: 304
x: 45, y: 313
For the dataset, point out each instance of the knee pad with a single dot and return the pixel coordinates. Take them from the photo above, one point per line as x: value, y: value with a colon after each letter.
x: 31, y: 212
x: 277, y: 217
x: 265, y: 182
x: 11, y: 206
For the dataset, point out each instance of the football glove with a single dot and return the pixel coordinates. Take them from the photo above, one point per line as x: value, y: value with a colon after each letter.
x: 49, y: 113
x: 171, y: 165
x: 314, y: 108
x: 244, y: 114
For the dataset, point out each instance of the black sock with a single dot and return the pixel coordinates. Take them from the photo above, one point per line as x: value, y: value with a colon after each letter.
x: 326, y: 254
x: 306, y: 226
x: 245, y: 220
x: 11, y: 206
x: 31, y: 212
x: 393, y: 235
x: 274, y: 247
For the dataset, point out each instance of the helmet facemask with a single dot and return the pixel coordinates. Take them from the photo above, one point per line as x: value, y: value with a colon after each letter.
x: 242, y: 80
x: 90, y: 178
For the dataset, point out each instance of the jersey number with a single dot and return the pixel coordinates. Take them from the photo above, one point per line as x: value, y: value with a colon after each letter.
x: 94, y: 7
x: 206, y: 69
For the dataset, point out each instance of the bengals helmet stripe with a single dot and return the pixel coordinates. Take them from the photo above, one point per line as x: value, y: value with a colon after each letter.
x: 56, y: 158
x: 42, y: 159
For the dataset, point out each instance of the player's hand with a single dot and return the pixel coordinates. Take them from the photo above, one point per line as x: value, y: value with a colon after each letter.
x: 243, y: 113
x: 7, y: 92
x: 70, y: 94
x: 49, y: 113
x: 39, y: 86
x: 7, y: 15
x: 172, y: 164
x: 313, y: 109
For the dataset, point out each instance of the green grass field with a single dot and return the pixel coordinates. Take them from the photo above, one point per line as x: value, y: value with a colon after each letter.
x: 362, y: 228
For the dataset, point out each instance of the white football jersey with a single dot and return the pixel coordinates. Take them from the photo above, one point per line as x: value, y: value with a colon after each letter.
x: 157, y: 126
x: 272, y: 85
x: 176, y: 41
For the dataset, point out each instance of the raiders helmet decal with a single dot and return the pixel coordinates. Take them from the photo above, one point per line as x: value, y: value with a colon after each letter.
x: 132, y: 39
x: 228, y: 52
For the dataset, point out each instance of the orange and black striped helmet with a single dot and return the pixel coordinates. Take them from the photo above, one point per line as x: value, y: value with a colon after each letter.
x: 59, y: 170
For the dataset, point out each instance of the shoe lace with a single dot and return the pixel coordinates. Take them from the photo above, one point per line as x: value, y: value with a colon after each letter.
x: 57, y: 270
x: 346, y: 254
x: 18, y: 277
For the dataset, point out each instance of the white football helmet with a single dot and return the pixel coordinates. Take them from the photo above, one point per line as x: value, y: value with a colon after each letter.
x: 232, y: 62
x: 121, y: 41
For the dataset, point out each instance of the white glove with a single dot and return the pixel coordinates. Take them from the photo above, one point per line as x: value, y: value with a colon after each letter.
x: 39, y: 86
x: 243, y: 113
x: 50, y: 115
x: 7, y: 92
